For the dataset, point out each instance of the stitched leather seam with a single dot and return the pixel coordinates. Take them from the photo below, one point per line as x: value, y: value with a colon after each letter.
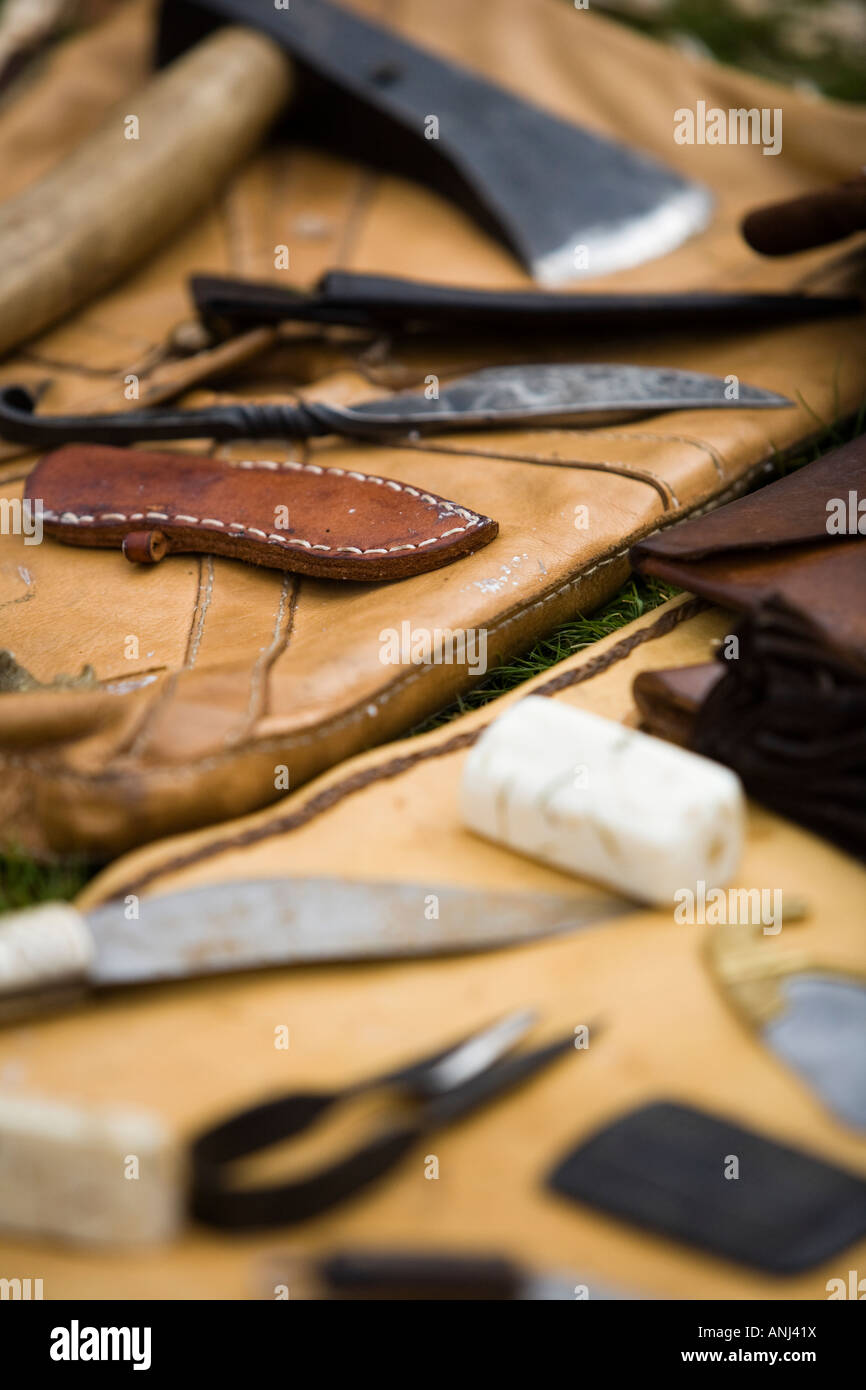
x: 614, y: 466
x: 210, y: 523
x: 205, y: 594
x: 700, y: 444
x: 260, y: 680
x: 715, y: 457
x: 324, y: 801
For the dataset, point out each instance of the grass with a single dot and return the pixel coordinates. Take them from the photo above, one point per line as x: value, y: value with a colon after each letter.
x: 636, y: 597
x: 815, y: 43
x: 24, y: 882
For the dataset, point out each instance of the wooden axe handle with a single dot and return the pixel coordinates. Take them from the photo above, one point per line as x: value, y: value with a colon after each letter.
x: 812, y: 220
x: 115, y: 200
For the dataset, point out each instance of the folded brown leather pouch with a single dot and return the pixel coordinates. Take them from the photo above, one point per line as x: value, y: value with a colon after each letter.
x: 207, y: 683
x: 785, y: 705
x: 802, y: 538
x: 334, y: 523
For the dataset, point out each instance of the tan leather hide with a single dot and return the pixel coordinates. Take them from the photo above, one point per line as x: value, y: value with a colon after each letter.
x: 208, y: 675
x: 194, y: 1051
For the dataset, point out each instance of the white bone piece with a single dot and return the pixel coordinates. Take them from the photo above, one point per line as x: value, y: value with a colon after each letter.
x: 43, y: 945
x: 95, y: 1176
x: 603, y: 801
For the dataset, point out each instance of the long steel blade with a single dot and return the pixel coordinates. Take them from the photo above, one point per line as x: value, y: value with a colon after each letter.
x: 822, y: 1035
x: 547, y: 391
x: 248, y: 925
x: 569, y: 203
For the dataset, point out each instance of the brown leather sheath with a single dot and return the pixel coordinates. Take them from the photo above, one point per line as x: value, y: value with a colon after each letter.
x: 334, y: 523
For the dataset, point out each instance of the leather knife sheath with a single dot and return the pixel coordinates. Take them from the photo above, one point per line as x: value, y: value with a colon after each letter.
x: 332, y: 523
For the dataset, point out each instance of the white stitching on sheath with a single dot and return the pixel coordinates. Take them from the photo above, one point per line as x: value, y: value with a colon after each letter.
x: 75, y: 520
x: 446, y: 509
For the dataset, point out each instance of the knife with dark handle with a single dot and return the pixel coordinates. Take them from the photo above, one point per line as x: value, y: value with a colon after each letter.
x: 495, y: 397
x: 387, y: 302
x: 404, y: 1275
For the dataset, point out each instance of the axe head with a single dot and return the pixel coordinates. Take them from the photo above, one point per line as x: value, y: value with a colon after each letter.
x: 569, y: 203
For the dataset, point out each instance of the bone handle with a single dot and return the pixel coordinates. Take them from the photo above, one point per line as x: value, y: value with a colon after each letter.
x: 115, y: 199
x: 45, y: 957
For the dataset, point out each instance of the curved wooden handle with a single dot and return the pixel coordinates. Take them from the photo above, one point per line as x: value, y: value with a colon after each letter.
x: 115, y: 199
x: 813, y: 220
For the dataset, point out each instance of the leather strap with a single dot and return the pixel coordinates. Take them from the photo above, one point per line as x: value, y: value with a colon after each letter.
x: 330, y: 522
x: 390, y: 303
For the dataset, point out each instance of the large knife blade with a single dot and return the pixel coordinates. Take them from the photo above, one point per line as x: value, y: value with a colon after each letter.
x: 568, y: 202
x: 497, y: 396
x: 250, y: 925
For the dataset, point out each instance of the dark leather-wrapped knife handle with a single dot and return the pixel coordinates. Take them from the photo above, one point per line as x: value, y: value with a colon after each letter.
x: 815, y: 219
x: 389, y: 303
x: 236, y: 421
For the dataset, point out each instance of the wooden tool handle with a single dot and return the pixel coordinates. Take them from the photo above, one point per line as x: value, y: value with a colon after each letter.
x: 45, y: 955
x: 115, y: 199
x: 814, y: 220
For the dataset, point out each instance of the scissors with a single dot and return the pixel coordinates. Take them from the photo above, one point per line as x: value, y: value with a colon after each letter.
x: 438, y: 1090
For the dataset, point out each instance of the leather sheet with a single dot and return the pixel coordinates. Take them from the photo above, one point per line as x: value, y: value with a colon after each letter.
x: 207, y: 677
x: 196, y: 1051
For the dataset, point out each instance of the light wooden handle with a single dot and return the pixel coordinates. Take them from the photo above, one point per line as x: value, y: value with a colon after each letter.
x: 116, y: 199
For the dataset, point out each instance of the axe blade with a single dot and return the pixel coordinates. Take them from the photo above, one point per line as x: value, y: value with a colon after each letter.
x: 569, y: 203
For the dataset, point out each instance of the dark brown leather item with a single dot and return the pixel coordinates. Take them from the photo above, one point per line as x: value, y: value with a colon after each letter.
x: 334, y: 523
x: 387, y: 302
x: 781, y: 541
x: 815, y: 219
x: 669, y: 700
x: 788, y: 713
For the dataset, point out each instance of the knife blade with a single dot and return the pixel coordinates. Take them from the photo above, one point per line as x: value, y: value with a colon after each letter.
x: 541, y: 393
x: 810, y: 1014
x: 251, y: 925
x: 368, y: 92
x: 821, y: 1034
